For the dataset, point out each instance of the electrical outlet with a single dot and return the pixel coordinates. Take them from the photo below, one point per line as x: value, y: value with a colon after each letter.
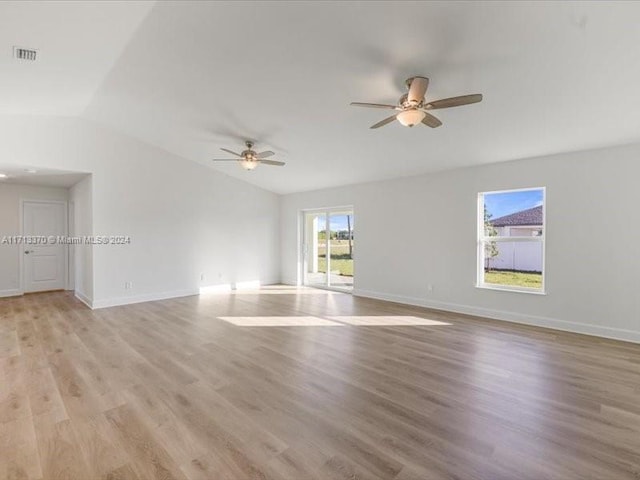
x: 429, y: 288
x: 128, y: 285
x: 202, y: 277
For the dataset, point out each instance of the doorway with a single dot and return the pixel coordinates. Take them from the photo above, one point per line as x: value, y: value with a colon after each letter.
x: 328, y: 248
x: 44, y: 256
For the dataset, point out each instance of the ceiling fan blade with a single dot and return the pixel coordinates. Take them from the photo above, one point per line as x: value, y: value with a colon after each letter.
x: 431, y: 121
x: 272, y: 162
x: 374, y: 105
x: 232, y: 153
x: 417, y: 89
x: 266, y: 154
x: 455, y: 101
x: 382, y: 123
x: 225, y: 159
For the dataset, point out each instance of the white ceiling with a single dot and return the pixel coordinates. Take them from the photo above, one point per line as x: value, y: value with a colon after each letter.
x: 197, y: 76
x: 77, y: 43
x: 40, y: 177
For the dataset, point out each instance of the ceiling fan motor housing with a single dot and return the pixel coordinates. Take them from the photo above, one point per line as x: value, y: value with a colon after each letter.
x: 249, y: 153
x: 417, y: 89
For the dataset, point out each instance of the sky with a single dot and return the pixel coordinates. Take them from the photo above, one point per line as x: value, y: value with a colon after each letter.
x: 337, y: 223
x: 501, y: 204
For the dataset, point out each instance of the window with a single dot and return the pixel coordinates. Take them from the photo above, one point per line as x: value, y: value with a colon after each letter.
x: 511, y: 237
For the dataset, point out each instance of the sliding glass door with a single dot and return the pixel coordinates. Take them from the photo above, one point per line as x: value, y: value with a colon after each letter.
x: 328, y: 249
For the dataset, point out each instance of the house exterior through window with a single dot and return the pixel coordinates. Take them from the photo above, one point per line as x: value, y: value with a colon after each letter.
x: 511, y: 237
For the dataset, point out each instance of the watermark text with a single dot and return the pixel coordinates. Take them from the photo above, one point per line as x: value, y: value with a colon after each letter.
x: 65, y: 240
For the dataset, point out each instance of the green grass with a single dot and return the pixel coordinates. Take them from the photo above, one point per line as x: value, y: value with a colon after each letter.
x: 344, y: 266
x: 514, y: 279
x: 338, y: 247
x: 340, y: 260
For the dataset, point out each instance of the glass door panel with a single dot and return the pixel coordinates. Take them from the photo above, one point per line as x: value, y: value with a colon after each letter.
x: 341, y: 244
x: 315, y: 249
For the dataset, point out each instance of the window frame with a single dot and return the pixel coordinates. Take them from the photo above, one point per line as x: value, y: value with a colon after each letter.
x: 482, y: 239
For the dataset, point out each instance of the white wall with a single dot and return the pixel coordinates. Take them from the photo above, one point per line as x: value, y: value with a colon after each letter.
x: 81, y: 200
x: 10, y: 196
x: 184, y: 219
x: 592, y: 280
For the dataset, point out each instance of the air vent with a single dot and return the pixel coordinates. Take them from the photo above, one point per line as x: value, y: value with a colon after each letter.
x: 28, y: 54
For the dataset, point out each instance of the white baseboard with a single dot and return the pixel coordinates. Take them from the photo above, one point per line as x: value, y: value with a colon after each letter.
x: 553, y: 323
x: 10, y: 293
x: 84, y: 299
x: 150, y: 297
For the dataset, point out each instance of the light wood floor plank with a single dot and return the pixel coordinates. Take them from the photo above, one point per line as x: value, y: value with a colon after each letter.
x: 59, y: 448
x: 168, y: 390
x: 19, y: 457
x: 149, y: 459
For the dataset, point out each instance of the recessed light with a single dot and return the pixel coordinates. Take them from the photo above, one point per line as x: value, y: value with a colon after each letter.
x: 30, y: 170
x: 3, y: 175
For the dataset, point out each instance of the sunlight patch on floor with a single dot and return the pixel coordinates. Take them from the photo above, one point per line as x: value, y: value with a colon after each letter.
x: 249, y: 285
x: 281, y: 322
x: 265, y: 290
x: 341, y: 321
x: 386, y: 320
x: 211, y: 289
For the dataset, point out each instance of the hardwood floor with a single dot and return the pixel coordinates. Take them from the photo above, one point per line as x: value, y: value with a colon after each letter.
x: 167, y: 390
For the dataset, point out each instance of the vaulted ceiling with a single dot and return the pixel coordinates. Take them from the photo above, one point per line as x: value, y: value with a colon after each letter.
x: 78, y: 43
x: 191, y: 77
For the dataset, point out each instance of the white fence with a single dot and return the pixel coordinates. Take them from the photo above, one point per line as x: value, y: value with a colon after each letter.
x: 522, y: 256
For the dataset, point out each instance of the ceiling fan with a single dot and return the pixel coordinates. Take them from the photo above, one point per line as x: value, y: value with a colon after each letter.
x: 249, y: 159
x: 413, y: 108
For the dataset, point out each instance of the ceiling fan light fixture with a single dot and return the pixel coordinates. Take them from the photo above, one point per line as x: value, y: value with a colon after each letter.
x: 249, y: 164
x: 412, y: 117
x: 413, y: 105
x: 249, y: 159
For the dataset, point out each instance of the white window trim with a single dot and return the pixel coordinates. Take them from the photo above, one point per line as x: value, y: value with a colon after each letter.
x: 481, y: 239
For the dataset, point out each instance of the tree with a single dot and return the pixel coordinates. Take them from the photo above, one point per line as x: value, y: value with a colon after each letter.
x: 490, y: 248
x: 349, y: 236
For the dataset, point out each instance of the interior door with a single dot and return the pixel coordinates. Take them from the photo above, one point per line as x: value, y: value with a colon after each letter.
x: 44, y: 262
